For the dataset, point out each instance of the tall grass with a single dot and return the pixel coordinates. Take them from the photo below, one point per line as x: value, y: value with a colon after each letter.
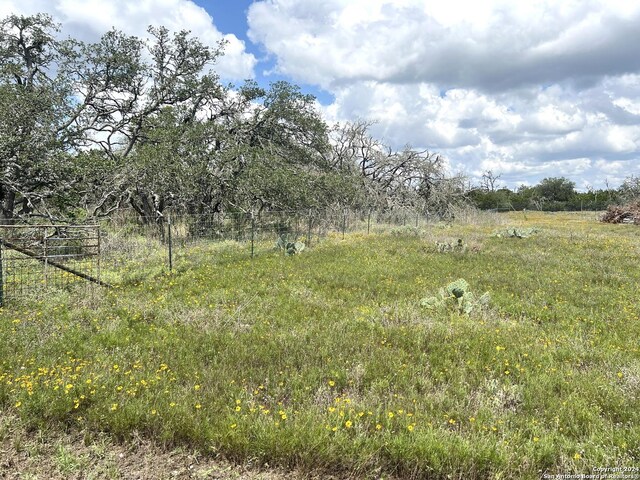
x: 325, y: 361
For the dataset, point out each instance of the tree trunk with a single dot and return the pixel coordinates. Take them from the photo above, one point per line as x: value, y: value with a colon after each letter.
x: 8, y: 203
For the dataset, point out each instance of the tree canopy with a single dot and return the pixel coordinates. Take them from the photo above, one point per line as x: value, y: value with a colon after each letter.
x: 146, y: 123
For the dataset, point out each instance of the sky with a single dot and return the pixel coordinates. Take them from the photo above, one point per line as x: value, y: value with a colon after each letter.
x: 526, y: 89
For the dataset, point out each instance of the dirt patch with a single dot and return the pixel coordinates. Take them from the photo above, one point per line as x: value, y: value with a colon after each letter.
x: 82, y: 455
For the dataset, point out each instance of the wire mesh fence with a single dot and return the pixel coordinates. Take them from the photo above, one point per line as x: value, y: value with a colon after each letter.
x: 37, y: 258
x: 259, y: 232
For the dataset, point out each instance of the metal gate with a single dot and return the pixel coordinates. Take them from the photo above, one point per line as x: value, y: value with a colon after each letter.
x: 36, y: 258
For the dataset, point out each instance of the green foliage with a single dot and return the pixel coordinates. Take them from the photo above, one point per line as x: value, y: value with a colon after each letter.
x: 173, y: 136
x: 556, y: 189
x: 553, y: 194
x: 33, y: 163
x: 456, y: 296
x: 289, y: 248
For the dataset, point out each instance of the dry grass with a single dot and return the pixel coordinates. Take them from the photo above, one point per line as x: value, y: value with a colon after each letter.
x: 55, y: 455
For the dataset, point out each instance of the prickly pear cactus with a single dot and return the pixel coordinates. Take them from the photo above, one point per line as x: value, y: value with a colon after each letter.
x: 517, y: 232
x: 281, y: 244
x: 458, y: 288
x: 456, y: 296
x: 457, y: 246
x: 289, y: 248
x: 432, y: 303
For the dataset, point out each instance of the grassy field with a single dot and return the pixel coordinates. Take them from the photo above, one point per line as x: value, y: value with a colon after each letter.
x: 326, y: 362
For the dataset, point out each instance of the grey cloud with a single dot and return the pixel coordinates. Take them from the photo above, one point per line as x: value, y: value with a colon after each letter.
x: 528, y: 135
x: 610, y: 49
x: 407, y: 46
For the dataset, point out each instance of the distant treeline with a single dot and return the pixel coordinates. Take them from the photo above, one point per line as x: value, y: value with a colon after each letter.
x: 553, y: 194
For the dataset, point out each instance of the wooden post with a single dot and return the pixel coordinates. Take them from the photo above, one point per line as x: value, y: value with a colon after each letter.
x: 309, y: 224
x: 369, y: 222
x: 170, y: 243
x: 1, y: 276
x: 344, y: 222
x: 98, y: 252
x: 253, y: 233
x: 45, y: 255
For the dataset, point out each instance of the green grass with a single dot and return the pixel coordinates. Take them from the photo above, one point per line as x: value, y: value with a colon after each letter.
x: 325, y: 361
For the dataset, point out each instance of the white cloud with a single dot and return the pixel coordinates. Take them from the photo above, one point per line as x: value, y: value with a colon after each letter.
x: 487, y: 45
x: 89, y: 19
x: 552, y: 119
x: 524, y: 135
x: 630, y: 105
x: 530, y: 89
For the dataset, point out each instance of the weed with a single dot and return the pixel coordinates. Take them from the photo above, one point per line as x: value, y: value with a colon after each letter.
x: 66, y: 461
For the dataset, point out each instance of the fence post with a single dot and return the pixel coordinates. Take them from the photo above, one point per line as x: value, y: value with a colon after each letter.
x: 45, y: 255
x: 170, y: 243
x: 369, y: 222
x: 344, y: 222
x: 253, y: 232
x: 99, y: 234
x: 417, y: 218
x: 1, y: 275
